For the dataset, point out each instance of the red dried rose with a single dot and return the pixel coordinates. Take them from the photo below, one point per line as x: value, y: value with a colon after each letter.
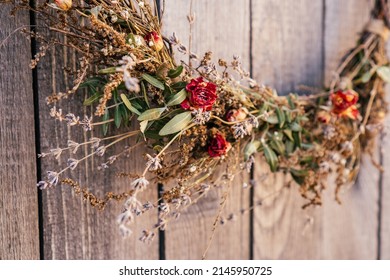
x: 154, y: 40
x: 218, y: 146
x: 202, y: 95
x: 344, y: 104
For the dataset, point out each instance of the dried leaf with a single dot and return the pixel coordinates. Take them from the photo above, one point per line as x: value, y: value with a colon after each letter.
x: 271, y: 158
x: 127, y: 103
x: 384, y: 73
x: 117, y: 117
x: 174, y: 73
x: 176, y: 124
x: 153, y: 81
x: 251, y: 148
x: 151, y: 114
x: 177, y: 98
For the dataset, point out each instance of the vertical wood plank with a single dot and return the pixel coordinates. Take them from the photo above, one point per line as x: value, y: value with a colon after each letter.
x: 349, y: 231
x: 19, y: 236
x: 384, y: 242
x: 223, y: 27
x: 72, y: 228
x: 287, y: 52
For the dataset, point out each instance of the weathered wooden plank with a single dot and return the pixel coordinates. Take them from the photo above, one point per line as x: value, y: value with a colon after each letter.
x: 384, y: 234
x: 282, y: 230
x: 223, y: 27
x: 72, y: 228
x: 287, y: 52
x: 384, y: 242
x: 19, y: 237
x: 349, y: 231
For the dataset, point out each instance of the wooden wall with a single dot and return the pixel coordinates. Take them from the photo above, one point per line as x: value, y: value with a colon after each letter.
x: 283, y: 43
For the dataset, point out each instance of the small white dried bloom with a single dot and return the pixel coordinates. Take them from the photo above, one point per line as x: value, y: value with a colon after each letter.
x: 72, y: 120
x: 131, y: 83
x: 164, y: 208
x: 201, y: 117
x: 194, y: 56
x: 125, y: 14
x: 335, y: 157
x: 114, y: 18
x: 56, y: 152
x: 347, y: 146
x: 112, y: 159
x: 52, y: 178
x: 329, y: 132
x: 86, y: 122
x: 147, y: 236
x: 154, y: 163
x: 249, y: 163
x: 185, y: 199
x: 73, y: 146
x: 124, y: 231
x: 253, y: 121
x: 126, y: 217
x: 148, y: 205
x: 95, y: 142
x: 140, y: 183
x: 132, y: 204
x: 141, y: 4
x: 72, y: 163
x: 56, y: 114
x: 241, y: 129
x: 100, y: 151
x: 182, y: 49
x: 43, y: 185
x: 173, y: 39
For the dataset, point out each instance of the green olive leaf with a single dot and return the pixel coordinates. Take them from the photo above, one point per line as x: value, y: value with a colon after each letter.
x: 174, y: 73
x: 153, y: 81
x: 271, y: 158
x: 177, y: 98
x: 109, y: 70
x: 281, y: 117
x: 273, y: 119
x: 176, y: 124
x: 127, y: 103
x: 251, y: 148
x: 384, y: 73
x: 151, y: 114
x: 117, y: 117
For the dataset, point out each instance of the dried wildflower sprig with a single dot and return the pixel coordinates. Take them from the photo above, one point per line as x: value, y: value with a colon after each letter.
x: 198, y: 116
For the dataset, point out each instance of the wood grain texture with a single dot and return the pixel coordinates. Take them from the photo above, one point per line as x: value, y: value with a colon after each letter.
x: 223, y: 27
x: 287, y: 52
x: 349, y: 231
x: 384, y: 242
x: 72, y: 228
x: 19, y: 237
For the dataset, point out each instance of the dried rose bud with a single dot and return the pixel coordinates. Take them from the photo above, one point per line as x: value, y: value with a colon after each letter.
x: 218, y: 146
x: 154, y: 40
x: 63, y: 4
x: 344, y: 104
x: 323, y: 117
x: 237, y: 115
x: 202, y: 95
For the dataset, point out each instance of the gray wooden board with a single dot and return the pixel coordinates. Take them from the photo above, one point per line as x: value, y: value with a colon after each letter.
x: 222, y: 27
x: 72, y: 228
x: 306, y: 48
x: 19, y: 236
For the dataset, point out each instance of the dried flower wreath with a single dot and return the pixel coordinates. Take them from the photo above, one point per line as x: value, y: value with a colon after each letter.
x: 195, y: 117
